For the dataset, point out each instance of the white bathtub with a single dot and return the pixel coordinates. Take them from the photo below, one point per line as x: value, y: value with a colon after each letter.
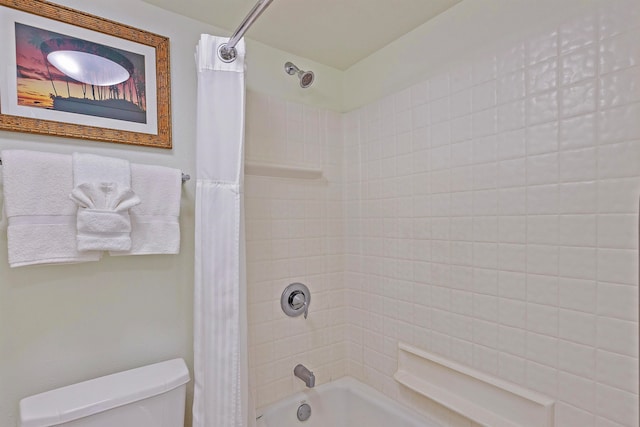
x: 342, y: 403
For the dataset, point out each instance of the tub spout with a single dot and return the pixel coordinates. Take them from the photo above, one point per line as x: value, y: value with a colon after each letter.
x: 305, y: 375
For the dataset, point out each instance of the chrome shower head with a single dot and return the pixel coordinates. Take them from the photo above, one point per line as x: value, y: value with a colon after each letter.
x: 306, y: 77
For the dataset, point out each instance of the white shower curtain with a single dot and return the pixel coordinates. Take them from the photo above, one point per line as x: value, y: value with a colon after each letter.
x: 221, y: 391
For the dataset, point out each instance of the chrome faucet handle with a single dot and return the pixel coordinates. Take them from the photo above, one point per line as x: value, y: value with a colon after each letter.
x: 300, y: 302
x: 295, y: 300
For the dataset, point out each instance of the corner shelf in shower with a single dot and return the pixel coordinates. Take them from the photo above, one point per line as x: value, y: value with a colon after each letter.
x: 281, y: 171
x: 481, y: 397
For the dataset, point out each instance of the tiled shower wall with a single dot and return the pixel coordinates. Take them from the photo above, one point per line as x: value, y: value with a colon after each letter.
x: 294, y: 234
x: 492, y: 218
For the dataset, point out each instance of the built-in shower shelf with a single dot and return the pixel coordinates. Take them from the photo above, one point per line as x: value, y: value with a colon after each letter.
x: 482, y: 398
x: 281, y: 171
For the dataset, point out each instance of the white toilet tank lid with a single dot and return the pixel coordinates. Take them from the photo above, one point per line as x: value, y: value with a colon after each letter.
x: 101, y: 394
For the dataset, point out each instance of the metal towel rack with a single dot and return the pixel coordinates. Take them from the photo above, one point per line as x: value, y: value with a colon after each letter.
x: 185, y: 177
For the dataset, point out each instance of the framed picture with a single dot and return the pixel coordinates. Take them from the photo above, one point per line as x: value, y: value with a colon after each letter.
x: 67, y: 73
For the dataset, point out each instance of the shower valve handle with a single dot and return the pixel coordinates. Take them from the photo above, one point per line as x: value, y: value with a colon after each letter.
x: 298, y: 301
x: 295, y: 300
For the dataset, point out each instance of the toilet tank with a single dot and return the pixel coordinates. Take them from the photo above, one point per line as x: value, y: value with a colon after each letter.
x: 150, y: 396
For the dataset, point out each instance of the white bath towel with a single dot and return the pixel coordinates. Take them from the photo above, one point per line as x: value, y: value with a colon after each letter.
x: 41, y: 219
x: 155, y: 227
x: 3, y: 214
x: 102, y: 190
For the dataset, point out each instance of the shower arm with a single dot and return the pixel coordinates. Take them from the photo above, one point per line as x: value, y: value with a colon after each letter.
x: 227, y: 52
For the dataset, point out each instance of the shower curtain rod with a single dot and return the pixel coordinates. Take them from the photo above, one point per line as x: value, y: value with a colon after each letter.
x: 185, y: 177
x: 227, y: 52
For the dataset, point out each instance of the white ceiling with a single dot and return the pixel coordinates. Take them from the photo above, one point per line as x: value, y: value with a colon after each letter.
x: 337, y: 33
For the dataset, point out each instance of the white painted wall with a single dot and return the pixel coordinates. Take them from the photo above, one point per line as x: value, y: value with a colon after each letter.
x: 63, y: 324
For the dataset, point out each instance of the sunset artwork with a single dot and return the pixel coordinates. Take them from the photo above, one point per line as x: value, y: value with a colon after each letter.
x: 40, y: 84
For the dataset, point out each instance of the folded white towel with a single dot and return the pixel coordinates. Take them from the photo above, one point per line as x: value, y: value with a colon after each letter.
x: 3, y: 214
x: 102, y: 190
x: 41, y: 218
x: 155, y: 226
x: 103, y: 216
x: 90, y: 168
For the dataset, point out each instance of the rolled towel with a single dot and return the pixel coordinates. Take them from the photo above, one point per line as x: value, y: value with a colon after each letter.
x: 103, y: 216
x: 155, y: 226
x: 102, y: 191
x: 41, y: 220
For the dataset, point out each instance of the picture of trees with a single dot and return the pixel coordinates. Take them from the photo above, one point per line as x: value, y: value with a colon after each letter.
x: 41, y: 85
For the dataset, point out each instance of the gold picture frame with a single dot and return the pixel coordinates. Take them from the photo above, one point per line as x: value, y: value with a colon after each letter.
x: 135, y: 111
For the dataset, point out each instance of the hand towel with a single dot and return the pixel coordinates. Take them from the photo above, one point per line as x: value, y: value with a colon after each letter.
x: 41, y: 220
x: 90, y: 168
x: 155, y: 226
x: 102, y: 191
x: 103, y: 216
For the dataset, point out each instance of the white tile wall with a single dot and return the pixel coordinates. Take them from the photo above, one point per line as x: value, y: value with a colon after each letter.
x: 505, y: 236
x: 294, y: 234
x: 489, y: 214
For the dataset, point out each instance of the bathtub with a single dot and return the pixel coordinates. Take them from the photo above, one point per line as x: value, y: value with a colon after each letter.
x: 342, y: 403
